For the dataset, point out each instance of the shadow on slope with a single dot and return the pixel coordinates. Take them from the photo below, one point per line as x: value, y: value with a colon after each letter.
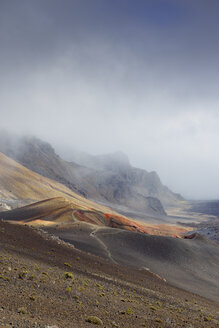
x: 98, y: 288
x: 61, y: 211
x: 191, y: 264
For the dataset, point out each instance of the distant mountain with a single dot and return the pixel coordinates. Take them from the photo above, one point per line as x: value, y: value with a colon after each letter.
x: 40, y: 157
x: 56, y: 204
x: 19, y: 186
x: 106, y: 178
x: 124, y: 181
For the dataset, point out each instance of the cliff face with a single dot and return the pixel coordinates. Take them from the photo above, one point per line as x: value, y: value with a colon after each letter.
x: 40, y: 157
x: 106, y: 178
x: 118, y: 180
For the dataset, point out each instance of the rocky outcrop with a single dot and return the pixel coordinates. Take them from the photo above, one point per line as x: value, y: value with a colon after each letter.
x: 106, y: 178
x: 120, y: 182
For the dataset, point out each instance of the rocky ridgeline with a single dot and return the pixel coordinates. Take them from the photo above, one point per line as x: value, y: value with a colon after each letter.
x: 106, y: 178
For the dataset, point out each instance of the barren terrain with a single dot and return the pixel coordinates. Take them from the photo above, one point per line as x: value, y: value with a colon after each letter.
x: 46, y: 283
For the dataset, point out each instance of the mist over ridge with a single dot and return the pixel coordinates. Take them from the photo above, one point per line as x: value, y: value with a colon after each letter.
x: 109, y: 132
x: 101, y: 78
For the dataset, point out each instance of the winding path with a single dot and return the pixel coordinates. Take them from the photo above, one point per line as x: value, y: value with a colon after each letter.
x: 93, y: 234
x: 105, y: 248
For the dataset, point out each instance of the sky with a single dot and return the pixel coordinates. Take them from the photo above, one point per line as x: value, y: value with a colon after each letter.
x: 101, y: 76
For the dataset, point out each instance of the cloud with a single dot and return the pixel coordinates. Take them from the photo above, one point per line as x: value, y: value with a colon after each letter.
x: 107, y: 76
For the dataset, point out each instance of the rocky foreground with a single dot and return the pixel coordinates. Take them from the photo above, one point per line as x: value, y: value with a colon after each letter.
x: 47, y: 283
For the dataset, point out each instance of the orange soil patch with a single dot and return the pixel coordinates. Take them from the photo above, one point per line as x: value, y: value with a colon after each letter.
x: 120, y: 222
x: 116, y: 221
x: 59, y: 211
x: 166, y: 230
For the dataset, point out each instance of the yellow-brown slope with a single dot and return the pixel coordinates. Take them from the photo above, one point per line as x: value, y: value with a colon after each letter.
x: 54, y: 203
x: 61, y: 211
x: 18, y: 182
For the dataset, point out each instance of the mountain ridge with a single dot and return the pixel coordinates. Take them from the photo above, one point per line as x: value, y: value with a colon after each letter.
x: 109, y: 178
x: 29, y: 198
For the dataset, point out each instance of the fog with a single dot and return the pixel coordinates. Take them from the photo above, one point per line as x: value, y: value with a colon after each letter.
x: 102, y: 76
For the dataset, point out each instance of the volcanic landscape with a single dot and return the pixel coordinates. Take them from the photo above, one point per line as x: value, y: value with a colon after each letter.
x: 96, y: 241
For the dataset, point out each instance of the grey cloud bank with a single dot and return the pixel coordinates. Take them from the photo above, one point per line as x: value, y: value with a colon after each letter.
x: 103, y: 76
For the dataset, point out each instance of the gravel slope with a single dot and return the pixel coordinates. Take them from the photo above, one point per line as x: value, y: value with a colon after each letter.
x: 46, y: 283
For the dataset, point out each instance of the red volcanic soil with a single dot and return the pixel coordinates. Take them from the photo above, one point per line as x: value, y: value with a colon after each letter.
x: 60, y: 211
x: 109, y: 220
x: 116, y: 221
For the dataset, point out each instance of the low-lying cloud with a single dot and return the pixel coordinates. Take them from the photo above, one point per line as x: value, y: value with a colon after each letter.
x: 143, y: 80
